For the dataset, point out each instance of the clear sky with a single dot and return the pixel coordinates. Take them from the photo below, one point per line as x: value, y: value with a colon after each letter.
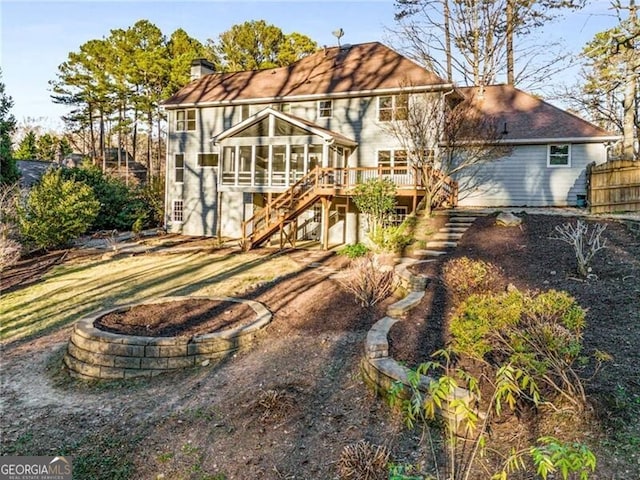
x: 36, y: 37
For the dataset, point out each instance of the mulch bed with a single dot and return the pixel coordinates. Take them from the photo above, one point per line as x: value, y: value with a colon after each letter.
x: 530, y: 260
x: 178, y: 318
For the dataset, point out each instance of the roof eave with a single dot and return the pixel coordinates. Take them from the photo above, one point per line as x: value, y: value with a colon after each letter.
x: 544, y: 141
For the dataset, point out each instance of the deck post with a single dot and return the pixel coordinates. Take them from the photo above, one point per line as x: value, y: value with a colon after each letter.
x: 326, y: 205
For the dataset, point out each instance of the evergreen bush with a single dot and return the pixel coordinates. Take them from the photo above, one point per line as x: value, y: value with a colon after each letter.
x: 56, y: 211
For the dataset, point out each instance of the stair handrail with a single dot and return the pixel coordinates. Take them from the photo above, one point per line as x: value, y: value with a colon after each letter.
x: 306, y: 183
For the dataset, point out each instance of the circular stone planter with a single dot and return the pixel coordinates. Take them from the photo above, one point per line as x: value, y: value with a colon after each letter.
x: 94, y: 353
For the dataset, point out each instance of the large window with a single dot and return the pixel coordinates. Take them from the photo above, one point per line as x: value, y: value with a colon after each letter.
x: 393, y: 107
x: 325, y: 108
x: 208, y: 159
x: 179, y: 167
x: 559, y: 155
x: 185, y: 120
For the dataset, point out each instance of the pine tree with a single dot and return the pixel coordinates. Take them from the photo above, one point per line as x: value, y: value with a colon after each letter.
x: 8, y: 170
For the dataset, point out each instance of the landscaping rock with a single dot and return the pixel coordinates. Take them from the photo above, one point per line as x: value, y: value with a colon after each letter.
x: 508, y: 219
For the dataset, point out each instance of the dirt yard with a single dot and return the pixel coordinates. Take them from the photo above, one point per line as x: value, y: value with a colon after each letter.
x: 286, y: 409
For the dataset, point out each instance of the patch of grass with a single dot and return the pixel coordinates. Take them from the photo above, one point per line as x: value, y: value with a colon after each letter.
x: 21, y: 446
x: 71, y: 291
x: 164, y: 457
x: 103, y: 457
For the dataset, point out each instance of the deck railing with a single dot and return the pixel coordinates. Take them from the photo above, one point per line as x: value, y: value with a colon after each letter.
x: 339, y: 181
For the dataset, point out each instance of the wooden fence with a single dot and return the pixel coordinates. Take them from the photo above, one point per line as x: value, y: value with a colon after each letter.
x: 614, y: 187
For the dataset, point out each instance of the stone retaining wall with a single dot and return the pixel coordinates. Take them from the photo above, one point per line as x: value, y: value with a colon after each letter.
x: 93, y: 353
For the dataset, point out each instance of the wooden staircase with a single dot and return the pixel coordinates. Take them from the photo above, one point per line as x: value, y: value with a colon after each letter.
x: 281, y: 214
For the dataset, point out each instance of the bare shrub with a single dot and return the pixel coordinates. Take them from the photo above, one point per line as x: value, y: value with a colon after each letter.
x: 363, y: 461
x: 10, y: 248
x: 369, y: 279
x: 275, y: 404
x: 111, y: 240
x: 464, y: 277
x: 9, y: 251
x: 585, y: 243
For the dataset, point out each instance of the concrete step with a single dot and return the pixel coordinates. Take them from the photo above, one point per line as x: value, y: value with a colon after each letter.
x: 447, y: 236
x: 453, y: 229
x: 459, y: 225
x: 429, y: 253
x: 462, y: 219
x: 441, y: 244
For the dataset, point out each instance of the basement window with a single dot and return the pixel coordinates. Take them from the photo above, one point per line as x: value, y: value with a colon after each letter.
x: 178, y: 211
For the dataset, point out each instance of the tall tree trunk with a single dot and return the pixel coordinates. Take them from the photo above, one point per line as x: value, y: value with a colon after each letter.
x: 120, y: 117
x: 92, y: 136
x: 447, y: 39
x: 149, y: 140
x: 159, y: 150
x: 630, y: 95
x: 134, y: 147
x: 511, y: 79
x: 476, y: 47
x: 102, y: 149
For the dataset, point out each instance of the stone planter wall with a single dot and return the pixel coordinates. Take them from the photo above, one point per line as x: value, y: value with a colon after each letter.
x: 96, y: 354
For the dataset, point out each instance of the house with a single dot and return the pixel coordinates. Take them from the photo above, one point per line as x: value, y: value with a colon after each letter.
x: 277, y: 152
x: 550, y: 149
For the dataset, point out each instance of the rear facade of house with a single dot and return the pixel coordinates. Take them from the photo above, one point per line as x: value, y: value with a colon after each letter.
x: 238, y: 140
x: 293, y: 141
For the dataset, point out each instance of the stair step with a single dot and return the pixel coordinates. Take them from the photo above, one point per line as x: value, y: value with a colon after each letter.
x: 458, y: 225
x: 447, y: 236
x: 453, y: 229
x: 455, y: 219
x: 429, y: 253
x: 441, y: 244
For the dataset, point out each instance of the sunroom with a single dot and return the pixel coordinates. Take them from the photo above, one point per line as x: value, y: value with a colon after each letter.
x: 272, y: 150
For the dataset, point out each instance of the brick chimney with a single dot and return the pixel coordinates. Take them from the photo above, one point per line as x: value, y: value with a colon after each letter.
x: 201, y: 67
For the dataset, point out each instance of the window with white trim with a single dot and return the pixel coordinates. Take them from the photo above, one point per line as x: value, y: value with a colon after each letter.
x: 179, y: 167
x: 325, y: 108
x: 392, y: 158
x: 208, y: 159
x: 559, y: 155
x: 185, y: 120
x: 178, y: 211
x: 397, y: 216
x: 393, y: 107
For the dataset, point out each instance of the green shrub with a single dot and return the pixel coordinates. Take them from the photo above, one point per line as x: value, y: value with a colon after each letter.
x: 464, y: 276
x: 540, y: 334
x: 376, y: 198
x: 391, y: 239
x: 354, y: 251
x: 121, y: 206
x: 480, y: 316
x: 56, y: 211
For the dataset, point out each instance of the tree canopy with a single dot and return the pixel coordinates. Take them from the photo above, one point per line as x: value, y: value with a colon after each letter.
x: 115, y: 85
x: 256, y: 45
x: 8, y: 170
x: 474, y: 40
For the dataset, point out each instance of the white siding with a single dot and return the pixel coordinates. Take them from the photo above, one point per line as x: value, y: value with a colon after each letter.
x: 523, y: 178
